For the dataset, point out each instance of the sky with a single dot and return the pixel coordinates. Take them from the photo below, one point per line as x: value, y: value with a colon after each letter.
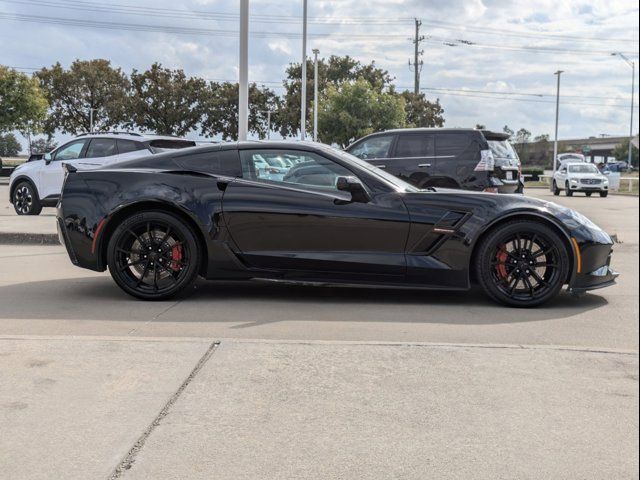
x: 490, y: 62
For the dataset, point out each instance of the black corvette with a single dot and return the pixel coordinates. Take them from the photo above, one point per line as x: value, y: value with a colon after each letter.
x: 302, y: 212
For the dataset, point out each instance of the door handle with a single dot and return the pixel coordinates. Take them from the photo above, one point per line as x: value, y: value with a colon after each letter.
x: 424, y: 165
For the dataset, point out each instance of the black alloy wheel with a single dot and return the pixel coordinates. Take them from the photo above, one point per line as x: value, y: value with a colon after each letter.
x: 522, y: 264
x: 153, y: 255
x: 25, y: 200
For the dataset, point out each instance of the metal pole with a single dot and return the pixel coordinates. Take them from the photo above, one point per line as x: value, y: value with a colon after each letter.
x: 243, y: 81
x: 555, y: 141
x: 315, y: 94
x: 303, y: 86
x: 90, y: 120
x: 633, y: 87
x: 416, y: 71
x: 268, y: 124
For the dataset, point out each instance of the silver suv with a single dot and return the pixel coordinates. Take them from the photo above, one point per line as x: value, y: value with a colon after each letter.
x: 36, y: 184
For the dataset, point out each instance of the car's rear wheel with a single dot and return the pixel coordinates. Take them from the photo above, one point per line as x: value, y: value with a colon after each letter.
x: 567, y: 190
x: 153, y: 255
x: 604, y: 194
x: 25, y: 199
x: 556, y: 190
x: 522, y: 263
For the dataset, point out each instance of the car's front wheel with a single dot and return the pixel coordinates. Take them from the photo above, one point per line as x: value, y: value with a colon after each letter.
x: 153, y: 255
x: 522, y: 263
x: 567, y: 190
x: 25, y: 199
x: 604, y: 193
x: 556, y: 190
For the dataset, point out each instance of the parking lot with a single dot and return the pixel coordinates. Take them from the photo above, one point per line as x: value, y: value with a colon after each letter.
x: 266, y: 381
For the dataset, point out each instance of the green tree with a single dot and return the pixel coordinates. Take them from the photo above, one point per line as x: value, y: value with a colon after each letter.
x: 43, y: 145
x: 356, y: 109
x: 420, y: 112
x: 220, y: 110
x: 9, y: 145
x: 165, y: 101
x: 621, y: 152
x: 85, y: 86
x: 539, y: 150
x: 21, y: 100
x: 331, y: 72
x: 521, y: 140
x: 507, y: 130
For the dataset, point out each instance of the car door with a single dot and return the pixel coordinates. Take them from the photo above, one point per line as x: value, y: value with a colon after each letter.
x: 413, y: 158
x: 303, y: 223
x: 457, y: 156
x: 99, y: 152
x: 52, y: 173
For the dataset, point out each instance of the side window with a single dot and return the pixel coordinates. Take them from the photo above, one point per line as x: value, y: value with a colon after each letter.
x: 291, y: 167
x: 451, y: 144
x: 126, y: 146
x: 71, y: 151
x: 225, y: 162
x: 415, y: 145
x: 376, y: 147
x: 101, y: 147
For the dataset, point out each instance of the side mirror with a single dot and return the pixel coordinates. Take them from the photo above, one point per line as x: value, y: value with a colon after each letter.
x: 47, y: 158
x: 354, y: 186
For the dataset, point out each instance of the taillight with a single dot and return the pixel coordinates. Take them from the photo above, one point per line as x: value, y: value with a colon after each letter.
x: 487, y: 162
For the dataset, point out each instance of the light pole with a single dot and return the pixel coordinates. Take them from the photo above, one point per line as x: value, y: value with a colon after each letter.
x: 243, y: 78
x: 91, y: 110
x: 315, y: 94
x: 555, y: 140
x: 303, y: 91
x: 633, y: 88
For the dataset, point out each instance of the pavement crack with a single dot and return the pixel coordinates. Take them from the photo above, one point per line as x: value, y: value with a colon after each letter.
x: 127, y: 462
x: 155, y: 317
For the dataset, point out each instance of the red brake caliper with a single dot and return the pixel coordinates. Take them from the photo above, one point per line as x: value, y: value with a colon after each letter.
x: 176, y: 257
x: 501, y: 257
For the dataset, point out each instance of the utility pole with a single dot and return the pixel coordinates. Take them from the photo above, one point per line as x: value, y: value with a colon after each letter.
x: 633, y: 88
x: 303, y: 86
x: 555, y: 140
x: 315, y: 94
x: 91, y: 110
x: 243, y: 80
x: 417, y: 62
x: 268, y: 124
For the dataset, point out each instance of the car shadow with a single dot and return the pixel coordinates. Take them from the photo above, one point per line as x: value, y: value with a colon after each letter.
x: 252, y: 303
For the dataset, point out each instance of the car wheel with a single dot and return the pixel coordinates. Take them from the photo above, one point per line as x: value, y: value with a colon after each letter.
x: 567, y: 190
x: 604, y: 194
x: 522, y: 264
x: 556, y: 190
x: 588, y: 194
x: 153, y: 255
x: 25, y: 199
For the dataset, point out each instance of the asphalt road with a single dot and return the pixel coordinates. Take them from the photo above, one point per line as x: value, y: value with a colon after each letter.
x: 42, y: 293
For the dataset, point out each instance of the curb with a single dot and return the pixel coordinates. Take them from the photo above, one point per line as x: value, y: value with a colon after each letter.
x: 17, y: 238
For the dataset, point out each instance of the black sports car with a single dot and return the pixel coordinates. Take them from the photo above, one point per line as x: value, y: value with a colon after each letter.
x: 223, y: 213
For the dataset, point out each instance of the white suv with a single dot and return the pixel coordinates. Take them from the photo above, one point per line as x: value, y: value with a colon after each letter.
x: 580, y: 177
x: 36, y: 184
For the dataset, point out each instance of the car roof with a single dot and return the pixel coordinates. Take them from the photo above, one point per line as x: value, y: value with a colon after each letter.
x: 139, y: 137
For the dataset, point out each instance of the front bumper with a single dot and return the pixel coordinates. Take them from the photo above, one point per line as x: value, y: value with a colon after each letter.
x: 595, y: 269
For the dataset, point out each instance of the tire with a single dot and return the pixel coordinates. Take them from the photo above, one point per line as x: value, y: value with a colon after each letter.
x: 528, y: 253
x: 588, y: 194
x: 604, y: 194
x: 556, y: 190
x: 25, y: 199
x: 153, y: 255
x: 567, y: 190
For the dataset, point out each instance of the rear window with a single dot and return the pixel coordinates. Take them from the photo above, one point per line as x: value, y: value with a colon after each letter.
x: 126, y: 146
x: 162, y: 145
x: 101, y: 147
x: 502, y: 149
x: 415, y: 145
x: 225, y: 162
x: 451, y: 144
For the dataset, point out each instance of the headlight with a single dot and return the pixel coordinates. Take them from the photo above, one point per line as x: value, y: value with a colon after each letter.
x: 573, y: 180
x: 606, y: 181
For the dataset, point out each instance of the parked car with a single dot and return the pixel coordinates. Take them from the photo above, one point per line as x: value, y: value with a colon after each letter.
x: 444, y: 157
x: 38, y: 182
x: 615, y: 167
x: 158, y: 222
x: 580, y: 177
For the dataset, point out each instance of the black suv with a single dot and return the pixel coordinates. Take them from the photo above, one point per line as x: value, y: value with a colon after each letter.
x: 444, y: 157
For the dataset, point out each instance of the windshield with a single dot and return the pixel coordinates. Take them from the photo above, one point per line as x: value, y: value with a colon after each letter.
x: 502, y: 149
x: 398, y: 184
x: 586, y: 168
